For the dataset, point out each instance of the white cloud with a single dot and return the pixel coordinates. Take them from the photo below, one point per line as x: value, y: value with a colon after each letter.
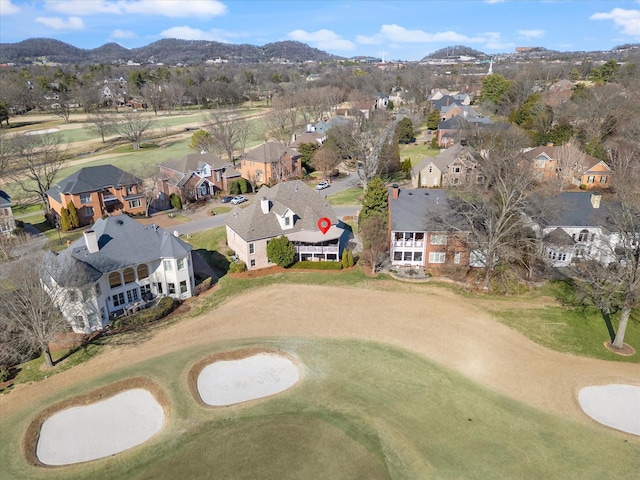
x: 531, y: 33
x: 166, y: 8
x: 186, y: 33
x: 72, y: 23
x: 8, y: 8
x: 323, y: 39
x: 627, y: 20
x: 493, y: 1
x: 123, y: 34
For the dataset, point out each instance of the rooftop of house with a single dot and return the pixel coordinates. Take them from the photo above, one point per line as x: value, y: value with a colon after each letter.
x: 269, y: 152
x: 421, y: 210
x: 307, y: 205
x: 555, y: 152
x: 122, y: 242
x: 194, y: 162
x: 460, y: 122
x: 446, y: 157
x: 576, y: 209
x: 91, y: 179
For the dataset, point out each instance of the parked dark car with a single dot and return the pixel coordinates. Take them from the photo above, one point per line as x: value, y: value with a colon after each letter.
x: 226, y: 199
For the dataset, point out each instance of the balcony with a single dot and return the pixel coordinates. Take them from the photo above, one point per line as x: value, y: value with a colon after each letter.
x: 312, y: 249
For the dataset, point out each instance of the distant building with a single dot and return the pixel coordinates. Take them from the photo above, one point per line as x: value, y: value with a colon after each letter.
x: 7, y: 222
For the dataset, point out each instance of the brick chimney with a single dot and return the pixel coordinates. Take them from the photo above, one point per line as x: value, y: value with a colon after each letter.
x: 91, y: 239
x: 395, y: 191
x: 595, y: 199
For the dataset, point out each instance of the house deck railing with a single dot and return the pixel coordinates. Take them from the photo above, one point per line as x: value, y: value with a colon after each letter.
x: 317, y: 249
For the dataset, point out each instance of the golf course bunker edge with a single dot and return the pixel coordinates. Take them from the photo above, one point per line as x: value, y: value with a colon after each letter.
x: 240, y: 376
x: 98, y: 424
x: 616, y: 406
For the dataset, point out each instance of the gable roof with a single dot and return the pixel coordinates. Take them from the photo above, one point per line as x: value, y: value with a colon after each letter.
x: 194, y: 162
x: 554, y: 152
x: 308, y: 205
x: 421, y: 210
x: 122, y: 242
x: 91, y: 179
x: 269, y: 152
x: 574, y: 209
x: 446, y: 157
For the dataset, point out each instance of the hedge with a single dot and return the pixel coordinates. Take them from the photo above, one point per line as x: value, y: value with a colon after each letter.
x: 164, y: 307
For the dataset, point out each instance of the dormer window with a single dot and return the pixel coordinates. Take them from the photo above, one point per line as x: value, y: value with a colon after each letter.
x: 287, y: 221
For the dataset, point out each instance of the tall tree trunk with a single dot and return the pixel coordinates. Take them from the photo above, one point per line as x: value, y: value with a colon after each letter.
x: 48, y: 361
x: 622, y: 326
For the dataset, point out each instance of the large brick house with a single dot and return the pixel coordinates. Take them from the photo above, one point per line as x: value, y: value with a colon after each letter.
x: 97, y: 191
x: 270, y: 163
x: 195, y: 176
x: 419, y: 236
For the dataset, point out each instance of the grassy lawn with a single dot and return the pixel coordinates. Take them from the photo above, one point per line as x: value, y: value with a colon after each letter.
x: 416, y: 152
x: 350, y: 196
x: 362, y: 410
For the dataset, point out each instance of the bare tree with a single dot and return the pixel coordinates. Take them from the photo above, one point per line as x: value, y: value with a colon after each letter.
x: 229, y: 134
x: 31, y: 312
x: 325, y: 159
x: 568, y: 161
x: 133, y: 126
x: 491, y: 209
x: 174, y: 95
x: 154, y: 94
x: 370, y: 135
x: 281, y: 123
x: 374, y: 234
x: 6, y: 152
x: 101, y: 123
x: 37, y: 161
x: 616, y: 286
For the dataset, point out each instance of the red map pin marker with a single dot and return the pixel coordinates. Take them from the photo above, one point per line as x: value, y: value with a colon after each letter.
x: 324, y: 224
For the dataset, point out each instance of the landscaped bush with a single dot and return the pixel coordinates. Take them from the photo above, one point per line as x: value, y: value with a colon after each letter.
x: 5, y: 374
x: 237, y: 267
x: 281, y: 251
x: 164, y: 307
x: 176, y: 201
x: 307, y: 264
x: 235, y: 189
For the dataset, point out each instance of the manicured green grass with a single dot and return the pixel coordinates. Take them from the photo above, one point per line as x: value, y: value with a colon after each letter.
x: 350, y: 196
x: 362, y: 410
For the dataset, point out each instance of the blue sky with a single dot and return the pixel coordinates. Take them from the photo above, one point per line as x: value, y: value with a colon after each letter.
x: 395, y: 29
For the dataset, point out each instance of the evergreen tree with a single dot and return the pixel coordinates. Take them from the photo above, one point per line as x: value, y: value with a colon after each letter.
x: 345, y: 258
x: 65, y: 224
x: 404, y: 131
x: 389, y: 158
x: 74, y: 221
x: 375, y: 201
x: 433, y: 120
x: 306, y: 151
x: 281, y: 251
x: 350, y: 261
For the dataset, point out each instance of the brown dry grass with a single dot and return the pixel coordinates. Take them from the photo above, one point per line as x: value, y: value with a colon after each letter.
x: 433, y: 322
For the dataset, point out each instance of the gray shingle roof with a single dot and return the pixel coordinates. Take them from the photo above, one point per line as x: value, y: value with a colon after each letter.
x: 418, y: 210
x: 446, y: 157
x: 194, y: 161
x: 123, y: 242
x: 308, y: 205
x: 269, y: 152
x: 574, y: 209
x: 91, y: 179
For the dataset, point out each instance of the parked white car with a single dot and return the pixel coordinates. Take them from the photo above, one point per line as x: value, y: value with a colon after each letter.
x: 322, y: 185
x: 238, y: 199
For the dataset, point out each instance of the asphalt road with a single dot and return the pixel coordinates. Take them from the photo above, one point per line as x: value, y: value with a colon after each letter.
x: 339, y: 185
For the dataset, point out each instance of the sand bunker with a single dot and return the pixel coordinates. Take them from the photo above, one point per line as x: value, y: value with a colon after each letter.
x: 227, y: 382
x: 42, y: 132
x: 79, y: 434
x: 616, y: 406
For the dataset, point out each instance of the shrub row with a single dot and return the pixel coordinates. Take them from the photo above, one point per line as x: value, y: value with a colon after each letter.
x: 164, y: 307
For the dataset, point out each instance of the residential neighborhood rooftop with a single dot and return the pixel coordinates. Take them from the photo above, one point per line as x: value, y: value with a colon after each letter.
x: 89, y: 179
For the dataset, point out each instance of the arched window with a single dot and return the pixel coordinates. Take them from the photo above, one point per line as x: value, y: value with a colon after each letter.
x: 143, y: 271
x: 129, y: 275
x: 584, y: 235
x: 115, y: 280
